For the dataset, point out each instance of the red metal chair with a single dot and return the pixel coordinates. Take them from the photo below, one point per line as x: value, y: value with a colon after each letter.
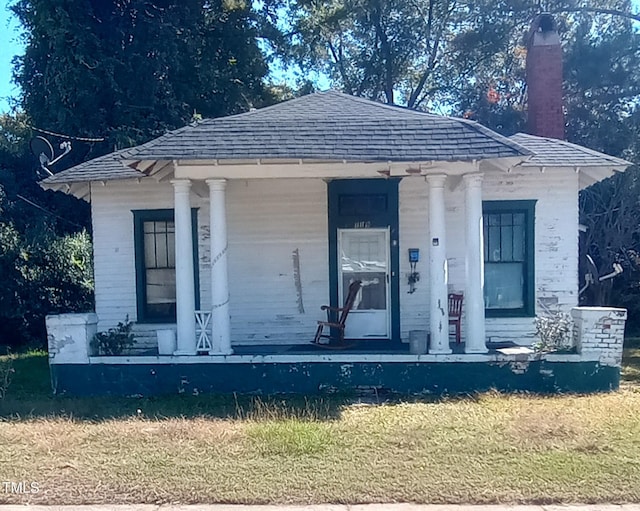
x: 455, y: 313
x: 340, y: 323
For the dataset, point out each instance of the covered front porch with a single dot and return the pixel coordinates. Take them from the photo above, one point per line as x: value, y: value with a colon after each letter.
x: 377, y: 316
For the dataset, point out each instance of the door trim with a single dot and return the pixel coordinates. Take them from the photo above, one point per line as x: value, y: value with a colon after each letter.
x: 380, y: 219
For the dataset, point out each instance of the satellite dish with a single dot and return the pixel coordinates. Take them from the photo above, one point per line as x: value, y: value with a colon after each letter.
x: 43, y: 150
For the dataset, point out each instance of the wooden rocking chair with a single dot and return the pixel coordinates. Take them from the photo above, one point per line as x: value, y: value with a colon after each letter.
x: 455, y: 314
x: 338, y: 326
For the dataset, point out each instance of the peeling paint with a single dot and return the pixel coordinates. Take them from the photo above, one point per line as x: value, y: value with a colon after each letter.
x: 519, y: 367
x: 312, y: 378
x: 345, y: 370
x: 297, y: 280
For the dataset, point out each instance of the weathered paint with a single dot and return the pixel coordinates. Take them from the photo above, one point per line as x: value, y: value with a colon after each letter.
x: 542, y: 376
x: 269, y: 219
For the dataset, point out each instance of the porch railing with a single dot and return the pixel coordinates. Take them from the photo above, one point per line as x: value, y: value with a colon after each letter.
x: 204, y: 331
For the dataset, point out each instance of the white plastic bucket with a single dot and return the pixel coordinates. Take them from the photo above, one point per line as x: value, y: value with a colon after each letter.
x: 166, y: 342
x: 417, y: 342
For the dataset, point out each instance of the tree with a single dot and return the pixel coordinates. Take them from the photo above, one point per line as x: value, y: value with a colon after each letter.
x: 129, y: 70
x: 123, y: 71
x: 467, y: 57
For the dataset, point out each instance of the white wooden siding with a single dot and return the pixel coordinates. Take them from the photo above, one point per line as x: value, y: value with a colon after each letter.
x: 556, y: 244
x: 270, y: 219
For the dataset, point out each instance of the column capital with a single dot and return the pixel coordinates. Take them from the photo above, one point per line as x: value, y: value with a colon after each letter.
x: 436, y: 180
x: 217, y: 184
x: 181, y: 185
x: 473, y: 179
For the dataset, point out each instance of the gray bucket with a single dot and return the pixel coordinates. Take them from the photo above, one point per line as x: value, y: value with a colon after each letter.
x: 418, y: 342
x: 166, y: 342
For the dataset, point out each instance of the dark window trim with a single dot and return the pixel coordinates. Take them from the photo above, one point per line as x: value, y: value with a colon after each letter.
x: 528, y: 208
x: 147, y: 215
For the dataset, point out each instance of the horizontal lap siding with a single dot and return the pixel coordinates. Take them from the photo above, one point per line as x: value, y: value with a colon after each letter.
x: 268, y: 221
x: 414, y: 233
x: 113, y: 243
x: 556, y: 244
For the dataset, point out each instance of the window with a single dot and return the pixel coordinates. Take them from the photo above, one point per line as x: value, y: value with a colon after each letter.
x: 154, y: 233
x: 509, y: 258
x: 362, y: 205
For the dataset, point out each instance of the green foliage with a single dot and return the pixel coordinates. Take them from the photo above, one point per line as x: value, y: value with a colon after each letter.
x: 554, y: 331
x: 115, y: 340
x: 125, y: 71
x: 42, y: 274
x: 132, y: 70
x: 6, y: 374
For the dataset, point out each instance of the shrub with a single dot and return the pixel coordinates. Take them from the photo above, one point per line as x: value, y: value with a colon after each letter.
x: 115, y: 340
x: 6, y: 373
x: 554, y: 331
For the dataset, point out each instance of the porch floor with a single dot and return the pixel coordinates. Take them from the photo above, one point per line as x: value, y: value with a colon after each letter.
x: 361, y: 347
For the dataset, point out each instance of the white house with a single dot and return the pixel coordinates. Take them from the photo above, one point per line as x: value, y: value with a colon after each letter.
x: 263, y: 217
x: 248, y: 224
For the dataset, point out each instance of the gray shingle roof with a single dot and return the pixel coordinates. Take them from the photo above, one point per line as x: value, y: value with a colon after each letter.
x: 105, y: 168
x: 331, y: 126
x: 550, y: 152
x: 323, y: 126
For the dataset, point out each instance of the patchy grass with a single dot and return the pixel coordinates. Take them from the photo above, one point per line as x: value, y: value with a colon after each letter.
x: 631, y: 361
x: 490, y: 448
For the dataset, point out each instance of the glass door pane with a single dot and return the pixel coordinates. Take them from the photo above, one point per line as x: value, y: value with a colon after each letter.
x: 364, y: 255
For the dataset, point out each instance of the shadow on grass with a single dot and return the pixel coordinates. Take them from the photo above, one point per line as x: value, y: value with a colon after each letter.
x: 631, y: 361
x: 29, y: 396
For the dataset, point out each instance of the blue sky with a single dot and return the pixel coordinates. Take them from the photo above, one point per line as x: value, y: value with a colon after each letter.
x: 9, y: 46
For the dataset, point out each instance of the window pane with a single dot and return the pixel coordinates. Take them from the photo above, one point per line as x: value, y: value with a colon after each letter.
x: 161, y: 286
x: 504, y: 285
x: 363, y: 252
x: 518, y: 243
x: 161, y: 245
x: 171, y: 240
x: 362, y: 205
x: 159, y: 269
x: 161, y: 293
x: 149, y: 249
x: 372, y: 294
x: 518, y: 219
x: 506, y: 239
x: 494, y: 244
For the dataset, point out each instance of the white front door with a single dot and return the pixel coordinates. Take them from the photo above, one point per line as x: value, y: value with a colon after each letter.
x: 363, y: 254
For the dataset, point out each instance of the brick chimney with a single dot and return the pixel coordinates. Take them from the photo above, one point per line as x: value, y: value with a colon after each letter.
x: 544, y: 79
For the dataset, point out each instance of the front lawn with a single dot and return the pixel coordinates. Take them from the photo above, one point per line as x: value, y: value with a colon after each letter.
x: 482, y: 449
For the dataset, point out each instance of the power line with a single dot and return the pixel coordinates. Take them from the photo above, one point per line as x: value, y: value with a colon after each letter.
x: 68, y: 137
x: 47, y: 211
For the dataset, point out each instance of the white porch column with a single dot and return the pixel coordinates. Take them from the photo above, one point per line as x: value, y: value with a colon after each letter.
x: 185, y: 285
x: 474, y: 299
x: 439, y: 303
x: 221, y: 338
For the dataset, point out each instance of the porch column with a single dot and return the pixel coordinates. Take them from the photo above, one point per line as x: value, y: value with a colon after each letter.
x: 221, y: 338
x: 474, y: 299
x: 439, y: 304
x: 185, y: 285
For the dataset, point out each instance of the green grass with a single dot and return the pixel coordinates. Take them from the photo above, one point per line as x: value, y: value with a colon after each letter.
x: 630, y: 373
x: 490, y: 448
